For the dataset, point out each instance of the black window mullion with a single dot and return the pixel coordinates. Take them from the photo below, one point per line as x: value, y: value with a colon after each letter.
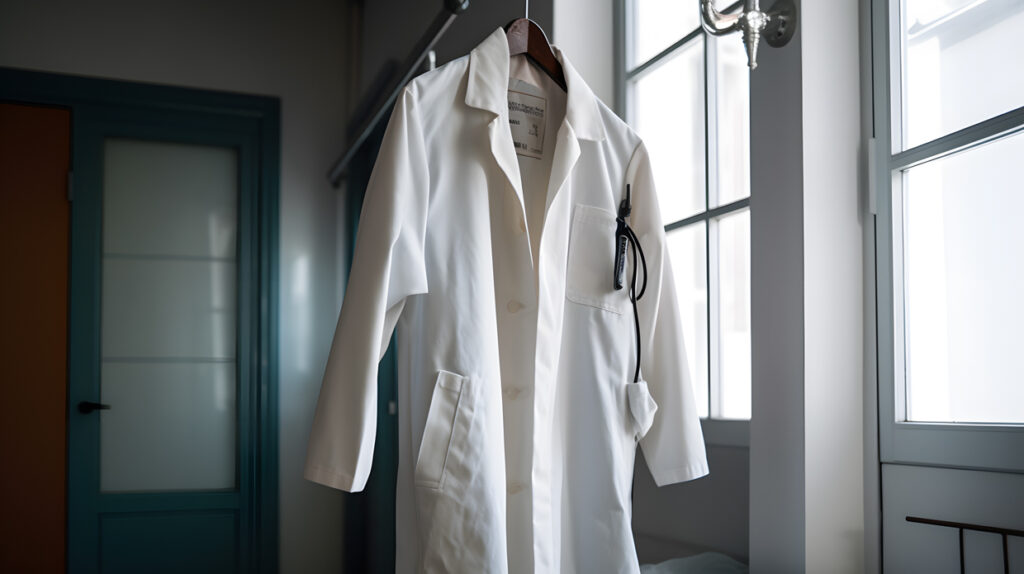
x: 711, y: 236
x: 717, y: 212
x: 664, y: 54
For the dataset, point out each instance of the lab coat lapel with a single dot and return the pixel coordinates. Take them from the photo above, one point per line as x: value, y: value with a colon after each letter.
x: 487, y: 89
x: 505, y: 155
x: 582, y: 122
x: 567, y: 151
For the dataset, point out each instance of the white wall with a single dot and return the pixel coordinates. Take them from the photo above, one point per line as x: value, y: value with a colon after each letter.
x: 295, y: 51
x: 584, y: 30
x: 833, y: 288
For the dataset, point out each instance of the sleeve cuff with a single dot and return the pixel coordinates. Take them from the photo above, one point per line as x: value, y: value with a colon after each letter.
x: 333, y: 479
x: 663, y: 477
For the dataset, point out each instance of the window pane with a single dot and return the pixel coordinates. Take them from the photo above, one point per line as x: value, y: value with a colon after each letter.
x: 964, y: 277
x: 732, y: 120
x: 962, y: 64
x: 734, y: 315
x: 687, y: 249
x: 668, y: 104
x: 657, y: 24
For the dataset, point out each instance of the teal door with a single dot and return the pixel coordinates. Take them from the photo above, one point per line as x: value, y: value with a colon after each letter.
x: 172, y: 411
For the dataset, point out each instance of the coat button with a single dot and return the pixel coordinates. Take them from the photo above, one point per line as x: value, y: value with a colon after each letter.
x: 511, y: 393
x: 515, y: 487
x: 514, y: 306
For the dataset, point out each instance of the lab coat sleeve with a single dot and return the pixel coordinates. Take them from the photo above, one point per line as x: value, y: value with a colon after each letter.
x: 674, y: 445
x: 387, y: 266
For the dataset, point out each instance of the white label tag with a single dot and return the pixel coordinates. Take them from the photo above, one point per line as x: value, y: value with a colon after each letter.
x: 526, y: 120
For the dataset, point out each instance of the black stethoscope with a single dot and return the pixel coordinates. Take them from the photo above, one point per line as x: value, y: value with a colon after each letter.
x: 624, y: 236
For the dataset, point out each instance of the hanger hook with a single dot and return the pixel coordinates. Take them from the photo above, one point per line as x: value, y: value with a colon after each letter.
x: 527, y: 14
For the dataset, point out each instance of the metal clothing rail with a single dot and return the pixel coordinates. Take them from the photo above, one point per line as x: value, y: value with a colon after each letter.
x: 451, y: 9
x: 961, y: 526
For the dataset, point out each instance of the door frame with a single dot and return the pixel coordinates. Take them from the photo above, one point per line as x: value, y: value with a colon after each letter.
x: 258, y: 450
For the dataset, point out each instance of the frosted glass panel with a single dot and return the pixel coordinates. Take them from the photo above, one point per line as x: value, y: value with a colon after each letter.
x: 171, y: 426
x: 687, y: 249
x: 169, y: 317
x: 156, y: 307
x: 964, y: 277
x: 734, y: 315
x: 962, y: 64
x: 657, y: 24
x: 668, y: 106
x: 169, y: 199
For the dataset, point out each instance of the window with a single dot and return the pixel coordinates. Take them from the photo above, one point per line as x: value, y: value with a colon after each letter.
x: 687, y: 94
x: 949, y: 112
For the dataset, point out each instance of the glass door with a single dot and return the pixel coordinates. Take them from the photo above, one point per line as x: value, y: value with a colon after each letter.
x: 172, y: 430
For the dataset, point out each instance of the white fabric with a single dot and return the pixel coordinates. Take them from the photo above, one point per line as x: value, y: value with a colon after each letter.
x: 518, y: 423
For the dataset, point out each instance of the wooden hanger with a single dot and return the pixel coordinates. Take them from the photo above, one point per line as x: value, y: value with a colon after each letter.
x: 526, y: 37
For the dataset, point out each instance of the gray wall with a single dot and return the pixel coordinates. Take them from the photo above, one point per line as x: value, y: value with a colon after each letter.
x: 777, y: 311
x: 295, y: 51
x: 708, y: 514
x: 391, y: 28
x: 807, y: 457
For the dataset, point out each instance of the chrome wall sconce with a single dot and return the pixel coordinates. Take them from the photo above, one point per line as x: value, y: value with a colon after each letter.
x: 777, y: 25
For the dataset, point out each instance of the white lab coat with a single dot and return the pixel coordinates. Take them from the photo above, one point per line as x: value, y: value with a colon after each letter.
x: 518, y: 414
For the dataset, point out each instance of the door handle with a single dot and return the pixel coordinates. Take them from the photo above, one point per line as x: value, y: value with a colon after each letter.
x: 87, y: 407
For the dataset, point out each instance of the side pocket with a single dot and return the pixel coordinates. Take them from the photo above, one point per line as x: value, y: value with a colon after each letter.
x: 432, y: 458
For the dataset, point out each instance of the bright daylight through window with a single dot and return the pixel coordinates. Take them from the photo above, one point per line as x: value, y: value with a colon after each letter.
x: 958, y: 246
x: 687, y: 95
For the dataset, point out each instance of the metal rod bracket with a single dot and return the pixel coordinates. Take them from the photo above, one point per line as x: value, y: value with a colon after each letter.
x: 777, y: 25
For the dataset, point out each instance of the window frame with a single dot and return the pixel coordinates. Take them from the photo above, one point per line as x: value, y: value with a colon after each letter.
x: 718, y: 431
x: 993, y: 446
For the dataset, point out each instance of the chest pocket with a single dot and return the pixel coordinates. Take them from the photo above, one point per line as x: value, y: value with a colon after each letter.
x: 589, y: 277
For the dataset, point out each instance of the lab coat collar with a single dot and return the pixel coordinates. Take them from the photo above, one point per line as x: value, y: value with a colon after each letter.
x: 488, y: 86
